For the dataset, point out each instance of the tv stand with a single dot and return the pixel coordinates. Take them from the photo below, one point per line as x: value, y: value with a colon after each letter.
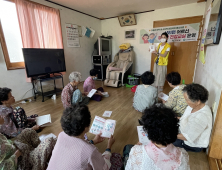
x: 45, y: 78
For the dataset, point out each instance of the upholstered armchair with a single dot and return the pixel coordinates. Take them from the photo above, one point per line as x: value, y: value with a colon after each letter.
x: 118, y: 71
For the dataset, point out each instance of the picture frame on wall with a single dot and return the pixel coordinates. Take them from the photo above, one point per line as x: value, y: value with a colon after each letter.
x: 127, y: 20
x: 130, y: 34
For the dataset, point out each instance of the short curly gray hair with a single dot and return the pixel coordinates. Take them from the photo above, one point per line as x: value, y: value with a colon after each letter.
x: 75, y: 76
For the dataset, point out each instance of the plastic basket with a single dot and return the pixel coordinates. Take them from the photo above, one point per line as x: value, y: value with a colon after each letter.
x: 133, y: 80
x: 129, y: 86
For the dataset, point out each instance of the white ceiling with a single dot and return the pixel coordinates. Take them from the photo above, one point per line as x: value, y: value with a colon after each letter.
x: 112, y: 8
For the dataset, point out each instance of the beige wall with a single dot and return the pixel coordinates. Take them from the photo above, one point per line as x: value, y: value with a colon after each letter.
x: 78, y: 59
x: 209, y: 74
x: 145, y: 20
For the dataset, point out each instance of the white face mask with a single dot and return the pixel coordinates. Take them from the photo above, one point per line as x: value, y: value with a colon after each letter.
x: 163, y: 40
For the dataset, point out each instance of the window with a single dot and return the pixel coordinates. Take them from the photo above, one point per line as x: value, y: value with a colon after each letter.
x: 10, y: 36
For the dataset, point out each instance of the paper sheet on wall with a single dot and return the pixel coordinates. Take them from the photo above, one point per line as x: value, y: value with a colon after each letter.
x: 143, y: 138
x: 206, y: 23
x: 88, y: 32
x: 72, y: 35
x: 92, y: 33
x: 84, y: 30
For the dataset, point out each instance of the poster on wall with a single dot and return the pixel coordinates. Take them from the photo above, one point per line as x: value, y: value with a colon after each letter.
x: 210, y: 32
x: 72, y: 34
x: 179, y: 33
x: 205, y: 28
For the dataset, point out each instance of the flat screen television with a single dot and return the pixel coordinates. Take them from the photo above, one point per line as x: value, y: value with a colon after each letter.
x: 103, y: 46
x: 43, y: 61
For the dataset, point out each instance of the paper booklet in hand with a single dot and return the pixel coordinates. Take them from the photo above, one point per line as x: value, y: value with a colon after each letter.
x: 152, y: 48
x: 100, y: 125
x: 143, y: 138
x: 44, y: 120
x: 163, y: 96
x: 45, y: 136
x: 91, y: 93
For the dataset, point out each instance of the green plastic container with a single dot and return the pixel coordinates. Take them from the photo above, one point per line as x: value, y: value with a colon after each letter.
x: 132, y: 81
x: 129, y: 86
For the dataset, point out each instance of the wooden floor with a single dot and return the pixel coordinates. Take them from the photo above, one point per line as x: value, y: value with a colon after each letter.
x: 120, y: 102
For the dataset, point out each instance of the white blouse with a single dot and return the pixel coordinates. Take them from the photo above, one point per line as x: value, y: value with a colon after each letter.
x: 139, y: 160
x: 196, y: 127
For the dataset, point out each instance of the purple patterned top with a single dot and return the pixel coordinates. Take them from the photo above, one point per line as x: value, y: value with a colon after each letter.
x: 8, y: 128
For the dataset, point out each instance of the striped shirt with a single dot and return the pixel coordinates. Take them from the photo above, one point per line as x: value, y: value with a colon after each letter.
x: 144, y: 97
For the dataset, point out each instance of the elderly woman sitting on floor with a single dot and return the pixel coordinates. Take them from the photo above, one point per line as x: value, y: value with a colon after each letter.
x: 161, y: 126
x: 71, y: 94
x: 196, y: 122
x: 15, y: 119
x: 176, y: 100
x: 89, y: 84
x: 26, y: 152
x: 145, y: 95
x: 72, y: 151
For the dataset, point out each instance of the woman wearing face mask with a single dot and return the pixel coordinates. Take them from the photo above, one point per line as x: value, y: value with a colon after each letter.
x: 161, y: 61
x: 89, y: 84
x: 71, y: 94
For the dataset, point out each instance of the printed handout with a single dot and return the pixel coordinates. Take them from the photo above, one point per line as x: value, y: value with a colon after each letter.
x: 100, y: 125
x: 152, y: 48
x: 143, y: 138
x: 163, y: 96
x: 91, y: 93
x: 44, y: 120
x: 107, y: 113
x: 45, y: 136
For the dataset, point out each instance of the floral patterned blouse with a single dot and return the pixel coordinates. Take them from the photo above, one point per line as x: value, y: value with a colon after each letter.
x: 67, y: 94
x: 8, y: 159
x: 9, y: 127
x: 176, y: 100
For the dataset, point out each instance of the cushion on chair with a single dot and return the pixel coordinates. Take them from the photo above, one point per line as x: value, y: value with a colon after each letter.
x: 115, y: 69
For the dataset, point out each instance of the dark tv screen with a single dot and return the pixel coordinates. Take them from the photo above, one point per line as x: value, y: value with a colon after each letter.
x: 105, y: 45
x: 43, y: 61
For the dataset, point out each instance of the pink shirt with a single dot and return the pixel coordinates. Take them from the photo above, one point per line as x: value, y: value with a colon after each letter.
x: 71, y: 153
x: 89, y: 84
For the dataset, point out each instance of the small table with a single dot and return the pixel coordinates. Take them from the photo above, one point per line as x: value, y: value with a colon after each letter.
x: 43, y: 79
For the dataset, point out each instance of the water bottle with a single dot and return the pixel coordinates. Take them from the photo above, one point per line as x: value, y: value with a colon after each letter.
x: 183, y: 82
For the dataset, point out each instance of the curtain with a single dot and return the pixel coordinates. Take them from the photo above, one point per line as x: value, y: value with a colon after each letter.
x: 39, y: 25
